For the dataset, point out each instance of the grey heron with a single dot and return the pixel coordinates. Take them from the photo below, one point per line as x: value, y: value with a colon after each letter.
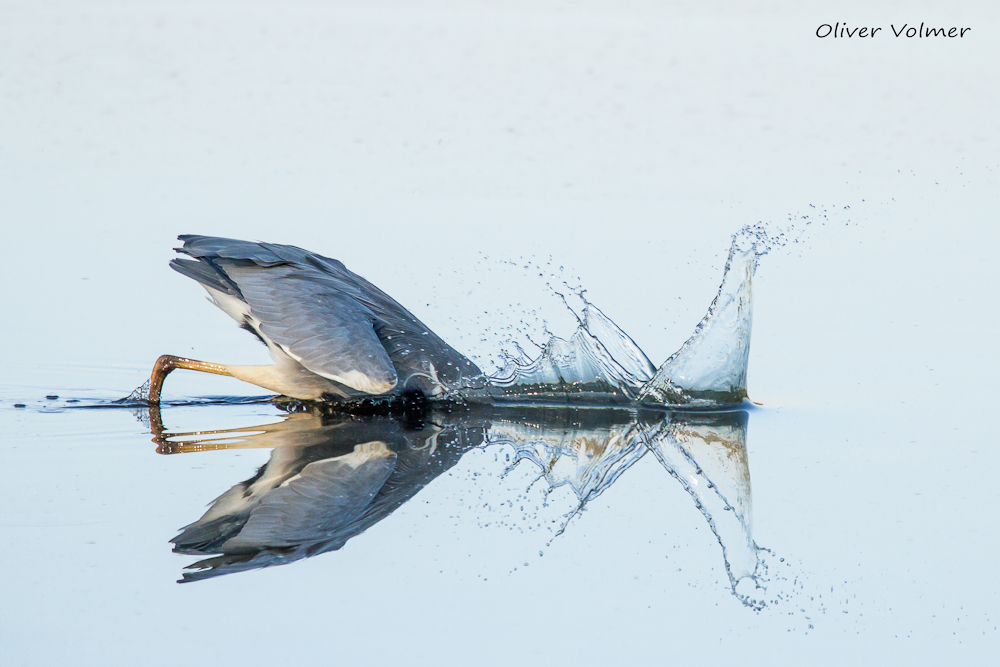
x: 330, y: 332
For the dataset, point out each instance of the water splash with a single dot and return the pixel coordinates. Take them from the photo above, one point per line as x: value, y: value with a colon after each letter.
x: 139, y: 395
x: 600, y: 362
x: 710, y: 368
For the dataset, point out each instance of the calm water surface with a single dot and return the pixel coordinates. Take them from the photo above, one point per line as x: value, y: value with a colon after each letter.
x: 530, y: 533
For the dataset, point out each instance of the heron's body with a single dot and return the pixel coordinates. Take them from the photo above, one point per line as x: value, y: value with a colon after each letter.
x: 330, y: 332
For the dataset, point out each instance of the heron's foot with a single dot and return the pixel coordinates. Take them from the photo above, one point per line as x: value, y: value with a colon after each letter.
x: 161, y: 369
x: 168, y: 362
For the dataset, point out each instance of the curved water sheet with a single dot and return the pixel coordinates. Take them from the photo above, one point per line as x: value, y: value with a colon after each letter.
x: 710, y: 368
x: 601, y: 363
x: 332, y: 475
x: 598, y: 362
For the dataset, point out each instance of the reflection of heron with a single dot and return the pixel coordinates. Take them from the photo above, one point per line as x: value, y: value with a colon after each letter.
x: 329, y: 478
x: 331, y: 474
x: 330, y: 332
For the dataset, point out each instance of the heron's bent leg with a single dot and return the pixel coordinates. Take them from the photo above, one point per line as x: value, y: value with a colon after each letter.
x: 168, y: 362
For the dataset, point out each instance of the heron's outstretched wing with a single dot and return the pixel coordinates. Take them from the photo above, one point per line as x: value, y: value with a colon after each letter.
x: 326, y: 331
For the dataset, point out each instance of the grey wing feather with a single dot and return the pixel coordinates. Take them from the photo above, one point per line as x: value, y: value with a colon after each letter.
x: 206, y: 274
x: 206, y: 536
x: 326, y: 496
x: 327, y: 332
x: 212, y: 247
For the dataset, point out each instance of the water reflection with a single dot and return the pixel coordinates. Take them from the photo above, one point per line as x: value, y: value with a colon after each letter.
x: 332, y: 475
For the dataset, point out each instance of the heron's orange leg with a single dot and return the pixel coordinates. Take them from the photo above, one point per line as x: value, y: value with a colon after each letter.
x: 168, y: 362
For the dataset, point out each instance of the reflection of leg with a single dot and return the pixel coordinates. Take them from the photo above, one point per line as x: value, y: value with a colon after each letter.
x: 156, y: 428
x: 229, y: 438
x: 167, y: 363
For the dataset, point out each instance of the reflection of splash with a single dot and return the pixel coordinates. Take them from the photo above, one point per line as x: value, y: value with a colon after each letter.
x: 586, y: 451
x: 601, y: 362
x: 704, y: 451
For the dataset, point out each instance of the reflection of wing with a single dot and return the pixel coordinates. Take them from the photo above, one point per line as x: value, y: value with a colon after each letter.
x: 346, y: 475
x: 326, y: 496
x: 229, y: 514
